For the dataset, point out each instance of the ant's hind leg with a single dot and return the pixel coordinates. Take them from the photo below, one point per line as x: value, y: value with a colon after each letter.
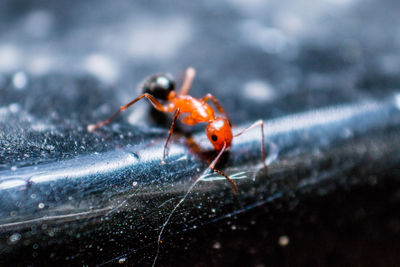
x: 171, y: 130
x: 157, y: 105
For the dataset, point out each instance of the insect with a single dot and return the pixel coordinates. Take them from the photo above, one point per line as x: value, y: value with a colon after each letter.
x: 219, y: 131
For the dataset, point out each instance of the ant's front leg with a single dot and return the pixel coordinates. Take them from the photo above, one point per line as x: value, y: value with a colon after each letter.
x: 212, y: 167
x: 261, y: 123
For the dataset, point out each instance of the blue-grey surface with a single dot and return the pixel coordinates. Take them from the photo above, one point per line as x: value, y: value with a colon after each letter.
x: 323, y: 75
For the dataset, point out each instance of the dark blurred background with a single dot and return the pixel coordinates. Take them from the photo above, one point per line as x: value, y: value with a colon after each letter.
x: 66, y: 64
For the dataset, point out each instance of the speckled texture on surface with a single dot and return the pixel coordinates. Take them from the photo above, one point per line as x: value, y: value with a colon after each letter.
x: 72, y: 197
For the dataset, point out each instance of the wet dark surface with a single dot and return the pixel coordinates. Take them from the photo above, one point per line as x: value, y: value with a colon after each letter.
x: 324, y: 77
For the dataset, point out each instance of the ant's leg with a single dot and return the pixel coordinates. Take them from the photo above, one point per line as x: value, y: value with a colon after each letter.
x: 171, y: 130
x: 157, y: 105
x: 212, y: 167
x: 261, y: 123
x: 187, y: 82
x: 208, y: 97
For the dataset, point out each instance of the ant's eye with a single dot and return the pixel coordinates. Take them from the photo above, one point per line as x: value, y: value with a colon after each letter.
x: 214, y: 137
x: 159, y: 86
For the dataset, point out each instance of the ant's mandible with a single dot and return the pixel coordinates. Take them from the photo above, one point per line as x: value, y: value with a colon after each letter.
x: 219, y: 132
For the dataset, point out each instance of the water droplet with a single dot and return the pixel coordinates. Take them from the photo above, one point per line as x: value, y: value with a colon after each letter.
x: 14, y: 238
x: 20, y: 80
x: 283, y: 241
x: 122, y: 260
x: 50, y: 147
x: 103, y: 67
x: 397, y: 100
x: 41, y: 205
x: 14, y: 107
x: 217, y: 245
x: 259, y: 91
x: 10, y: 57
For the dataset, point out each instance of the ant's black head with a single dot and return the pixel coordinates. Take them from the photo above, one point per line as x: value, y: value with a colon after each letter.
x: 159, y: 86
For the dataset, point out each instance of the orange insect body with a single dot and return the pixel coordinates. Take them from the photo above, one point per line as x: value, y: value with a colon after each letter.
x: 198, y: 110
x: 194, y: 110
x: 218, y: 129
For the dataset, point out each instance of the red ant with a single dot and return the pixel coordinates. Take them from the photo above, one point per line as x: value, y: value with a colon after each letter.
x: 218, y: 130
